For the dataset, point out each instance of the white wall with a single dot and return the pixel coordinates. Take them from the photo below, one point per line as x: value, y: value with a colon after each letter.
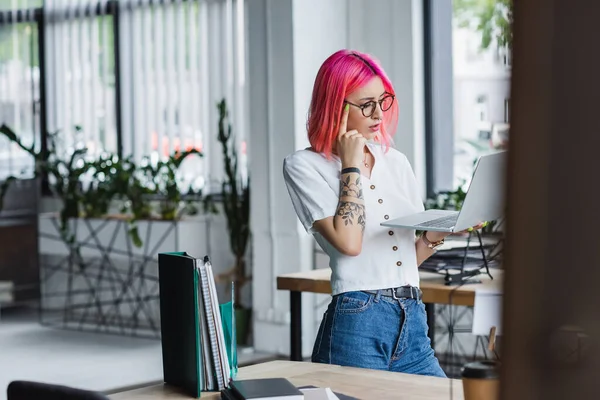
x: 271, y: 115
x: 392, y: 31
x: 320, y: 28
x: 287, y: 42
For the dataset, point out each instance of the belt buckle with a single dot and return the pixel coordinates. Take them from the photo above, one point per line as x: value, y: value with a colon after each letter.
x: 418, y: 293
x: 413, y: 295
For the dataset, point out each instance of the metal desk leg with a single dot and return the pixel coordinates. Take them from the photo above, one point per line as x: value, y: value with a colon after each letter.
x: 430, y: 309
x: 296, y: 326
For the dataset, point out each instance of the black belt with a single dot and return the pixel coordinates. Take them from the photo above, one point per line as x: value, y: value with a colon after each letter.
x: 402, y: 292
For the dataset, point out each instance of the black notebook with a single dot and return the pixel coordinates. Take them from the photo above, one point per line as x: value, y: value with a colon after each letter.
x: 265, y: 389
x: 195, y: 352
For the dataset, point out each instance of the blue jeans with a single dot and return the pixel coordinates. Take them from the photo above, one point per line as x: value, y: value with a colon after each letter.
x: 378, y: 332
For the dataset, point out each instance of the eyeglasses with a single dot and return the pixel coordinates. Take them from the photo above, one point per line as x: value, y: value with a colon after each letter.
x: 369, y: 107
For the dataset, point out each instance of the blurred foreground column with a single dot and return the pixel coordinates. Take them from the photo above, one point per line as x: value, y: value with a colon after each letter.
x: 552, y: 296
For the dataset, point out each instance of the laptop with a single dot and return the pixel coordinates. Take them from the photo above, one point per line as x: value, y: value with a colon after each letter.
x: 484, y: 201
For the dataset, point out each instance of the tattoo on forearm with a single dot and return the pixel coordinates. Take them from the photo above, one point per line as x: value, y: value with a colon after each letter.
x: 352, y: 213
x: 352, y: 187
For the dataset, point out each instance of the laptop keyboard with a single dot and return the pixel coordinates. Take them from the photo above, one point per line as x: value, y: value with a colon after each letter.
x: 442, y: 222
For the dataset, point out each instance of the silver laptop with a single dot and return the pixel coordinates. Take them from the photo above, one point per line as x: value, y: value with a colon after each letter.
x: 484, y: 201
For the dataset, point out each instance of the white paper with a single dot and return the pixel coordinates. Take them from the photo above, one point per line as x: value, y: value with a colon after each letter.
x: 318, y: 394
x: 487, y: 311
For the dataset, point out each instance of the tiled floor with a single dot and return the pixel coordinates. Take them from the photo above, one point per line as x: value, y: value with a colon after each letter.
x: 80, y: 359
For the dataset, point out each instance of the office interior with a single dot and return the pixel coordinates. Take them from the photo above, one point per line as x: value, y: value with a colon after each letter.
x: 127, y: 85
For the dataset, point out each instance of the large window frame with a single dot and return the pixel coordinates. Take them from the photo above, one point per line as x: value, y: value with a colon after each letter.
x: 449, y: 146
x: 24, y: 16
x: 439, y: 114
x: 237, y: 102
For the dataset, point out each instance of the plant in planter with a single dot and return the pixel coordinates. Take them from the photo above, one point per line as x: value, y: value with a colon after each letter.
x: 65, y: 181
x: 136, y: 187
x: 116, y: 178
x: 107, y: 172
x: 107, y: 178
x: 194, y: 198
x: 236, y: 205
x: 64, y: 175
x: 162, y: 179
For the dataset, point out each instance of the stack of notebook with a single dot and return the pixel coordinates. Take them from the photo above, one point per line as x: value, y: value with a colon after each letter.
x: 197, y: 334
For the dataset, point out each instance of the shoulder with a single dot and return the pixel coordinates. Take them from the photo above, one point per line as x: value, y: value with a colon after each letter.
x: 298, y: 157
x: 311, y: 179
x: 299, y: 167
x: 304, y: 160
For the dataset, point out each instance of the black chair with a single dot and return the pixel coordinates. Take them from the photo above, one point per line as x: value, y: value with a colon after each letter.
x: 27, y: 390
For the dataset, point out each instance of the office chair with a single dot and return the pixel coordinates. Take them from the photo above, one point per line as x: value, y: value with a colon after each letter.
x: 27, y: 390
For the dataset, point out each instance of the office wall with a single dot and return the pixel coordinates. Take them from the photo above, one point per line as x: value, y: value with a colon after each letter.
x: 286, y: 43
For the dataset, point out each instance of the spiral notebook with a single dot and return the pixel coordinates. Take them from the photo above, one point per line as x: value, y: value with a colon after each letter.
x: 197, y: 333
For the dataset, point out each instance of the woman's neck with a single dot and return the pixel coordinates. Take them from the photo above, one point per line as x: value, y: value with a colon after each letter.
x: 365, y: 150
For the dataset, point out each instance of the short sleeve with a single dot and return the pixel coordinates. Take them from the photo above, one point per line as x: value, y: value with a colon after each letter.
x: 312, y: 196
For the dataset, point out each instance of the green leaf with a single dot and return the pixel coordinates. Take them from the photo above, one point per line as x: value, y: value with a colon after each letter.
x: 491, y: 18
x: 135, y: 236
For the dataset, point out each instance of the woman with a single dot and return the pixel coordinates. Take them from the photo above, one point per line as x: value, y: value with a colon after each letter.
x: 342, y: 188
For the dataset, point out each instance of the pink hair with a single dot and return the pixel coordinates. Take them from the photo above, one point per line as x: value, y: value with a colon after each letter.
x: 341, y: 74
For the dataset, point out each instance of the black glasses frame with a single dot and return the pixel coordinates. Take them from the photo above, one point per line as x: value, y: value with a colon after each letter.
x: 369, y: 104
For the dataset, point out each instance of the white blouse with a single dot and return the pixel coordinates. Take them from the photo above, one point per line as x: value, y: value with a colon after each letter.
x: 388, y: 257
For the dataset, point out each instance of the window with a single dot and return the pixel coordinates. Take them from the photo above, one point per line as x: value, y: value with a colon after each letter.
x: 81, y: 79
x: 10, y: 5
x: 137, y: 78
x: 19, y: 93
x: 183, y: 57
x: 481, y: 84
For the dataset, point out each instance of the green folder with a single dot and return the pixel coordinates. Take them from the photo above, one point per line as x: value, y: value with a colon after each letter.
x: 228, y: 317
x: 180, y: 323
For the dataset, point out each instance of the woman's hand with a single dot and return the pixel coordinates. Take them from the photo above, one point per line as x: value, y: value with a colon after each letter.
x: 475, y: 228
x: 351, y: 144
x: 437, y: 236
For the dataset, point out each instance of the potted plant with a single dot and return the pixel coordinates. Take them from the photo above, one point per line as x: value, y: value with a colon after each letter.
x: 161, y: 178
x: 235, y: 193
x: 117, y: 193
x: 108, y: 178
x: 64, y: 176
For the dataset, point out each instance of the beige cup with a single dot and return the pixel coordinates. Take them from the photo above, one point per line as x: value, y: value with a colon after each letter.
x: 481, y: 380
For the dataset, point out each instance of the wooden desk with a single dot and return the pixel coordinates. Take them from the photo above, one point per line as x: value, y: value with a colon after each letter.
x: 356, y: 382
x: 432, y: 285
